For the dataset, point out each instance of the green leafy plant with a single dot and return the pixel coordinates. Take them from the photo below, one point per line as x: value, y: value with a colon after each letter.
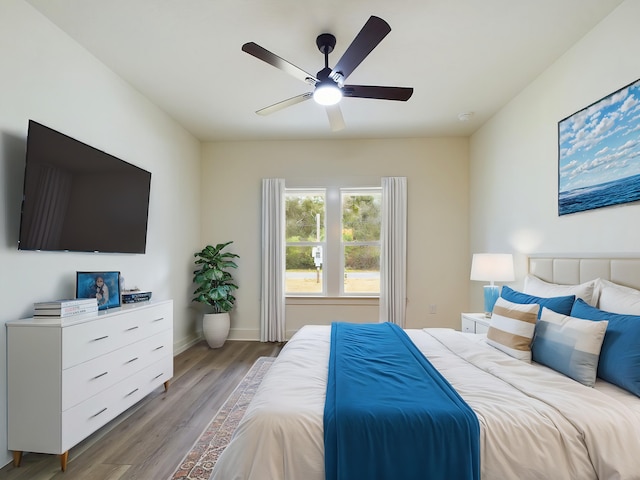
x: 215, y: 283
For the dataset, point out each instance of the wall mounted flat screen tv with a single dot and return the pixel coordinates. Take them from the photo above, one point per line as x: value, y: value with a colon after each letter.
x: 78, y: 198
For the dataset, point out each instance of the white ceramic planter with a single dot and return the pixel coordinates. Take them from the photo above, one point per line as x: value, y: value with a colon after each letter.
x: 215, y: 327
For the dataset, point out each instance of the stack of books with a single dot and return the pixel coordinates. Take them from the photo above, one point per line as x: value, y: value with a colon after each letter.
x: 65, y: 308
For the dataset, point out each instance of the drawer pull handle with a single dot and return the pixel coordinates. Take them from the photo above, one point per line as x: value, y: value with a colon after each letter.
x: 158, y: 319
x: 96, y: 414
x: 132, y: 328
x: 158, y: 348
x: 131, y: 392
x: 132, y: 360
x: 158, y: 376
x: 101, y: 375
x: 100, y: 338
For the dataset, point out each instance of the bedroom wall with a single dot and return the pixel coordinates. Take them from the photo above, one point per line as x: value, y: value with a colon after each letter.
x: 514, y: 156
x: 438, y: 204
x: 46, y: 76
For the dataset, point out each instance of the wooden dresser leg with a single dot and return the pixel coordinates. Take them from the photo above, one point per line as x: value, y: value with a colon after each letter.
x: 63, y: 460
x: 17, y: 458
x: 166, y: 385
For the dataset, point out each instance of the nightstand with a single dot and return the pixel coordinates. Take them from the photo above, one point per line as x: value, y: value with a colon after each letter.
x: 474, y: 322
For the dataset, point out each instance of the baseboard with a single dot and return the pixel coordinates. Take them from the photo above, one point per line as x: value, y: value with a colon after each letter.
x: 248, y: 334
x: 252, y: 334
x: 185, y: 344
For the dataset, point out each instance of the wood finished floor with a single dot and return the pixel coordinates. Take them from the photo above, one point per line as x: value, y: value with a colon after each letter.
x: 149, y: 440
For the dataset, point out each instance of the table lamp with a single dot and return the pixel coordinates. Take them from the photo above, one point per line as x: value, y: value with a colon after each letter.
x: 492, y: 267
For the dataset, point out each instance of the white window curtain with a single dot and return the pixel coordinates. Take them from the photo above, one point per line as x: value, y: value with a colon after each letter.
x: 272, y: 299
x: 393, y: 251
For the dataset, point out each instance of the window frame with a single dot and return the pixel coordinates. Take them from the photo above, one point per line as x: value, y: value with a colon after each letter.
x: 333, y: 266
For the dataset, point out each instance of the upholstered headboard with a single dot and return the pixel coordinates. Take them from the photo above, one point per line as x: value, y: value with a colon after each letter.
x: 571, y: 270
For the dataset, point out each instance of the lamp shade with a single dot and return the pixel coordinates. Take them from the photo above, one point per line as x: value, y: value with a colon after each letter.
x: 493, y: 267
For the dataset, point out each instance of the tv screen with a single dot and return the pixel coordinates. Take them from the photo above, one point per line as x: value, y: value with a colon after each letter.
x: 78, y: 198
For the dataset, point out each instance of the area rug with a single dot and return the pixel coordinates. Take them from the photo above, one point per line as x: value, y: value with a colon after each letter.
x: 199, y: 461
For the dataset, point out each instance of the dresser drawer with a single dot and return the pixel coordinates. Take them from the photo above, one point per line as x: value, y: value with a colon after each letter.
x: 89, y: 378
x: 85, y: 418
x: 156, y: 318
x: 85, y: 341
x: 88, y: 340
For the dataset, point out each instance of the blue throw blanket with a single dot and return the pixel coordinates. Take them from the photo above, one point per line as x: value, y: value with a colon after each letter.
x: 390, y: 415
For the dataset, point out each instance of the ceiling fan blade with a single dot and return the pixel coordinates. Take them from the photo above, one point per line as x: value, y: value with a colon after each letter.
x: 382, y: 93
x: 285, y: 103
x: 369, y: 37
x: 336, y: 121
x: 273, y: 59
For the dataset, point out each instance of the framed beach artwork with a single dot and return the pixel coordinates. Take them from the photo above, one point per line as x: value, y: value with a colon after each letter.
x: 104, y: 286
x: 599, y: 153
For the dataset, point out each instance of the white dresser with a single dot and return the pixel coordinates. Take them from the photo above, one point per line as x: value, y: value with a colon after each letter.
x: 68, y: 377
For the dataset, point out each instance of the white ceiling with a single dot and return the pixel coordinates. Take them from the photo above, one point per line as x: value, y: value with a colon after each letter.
x: 458, y: 55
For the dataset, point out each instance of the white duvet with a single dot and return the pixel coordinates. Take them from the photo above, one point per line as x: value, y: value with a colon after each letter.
x: 534, y: 423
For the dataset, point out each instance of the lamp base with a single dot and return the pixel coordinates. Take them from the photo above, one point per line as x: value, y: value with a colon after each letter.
x: 491, y: 294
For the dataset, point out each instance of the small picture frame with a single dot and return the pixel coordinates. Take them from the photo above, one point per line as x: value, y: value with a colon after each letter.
x: 104, y: 286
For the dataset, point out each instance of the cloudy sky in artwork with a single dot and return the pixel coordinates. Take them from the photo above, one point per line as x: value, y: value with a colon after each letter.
x: 601, y: 143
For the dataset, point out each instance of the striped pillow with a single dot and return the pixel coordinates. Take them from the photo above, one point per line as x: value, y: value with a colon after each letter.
x: 569, y: 345
x: 512, y: 327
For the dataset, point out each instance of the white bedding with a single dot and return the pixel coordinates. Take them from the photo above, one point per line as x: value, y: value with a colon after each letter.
x: 534, y: 423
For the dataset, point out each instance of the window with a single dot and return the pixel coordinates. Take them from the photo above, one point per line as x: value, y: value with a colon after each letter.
x: 333, y: 241
x: 305, y: 241
x: 361, y: 241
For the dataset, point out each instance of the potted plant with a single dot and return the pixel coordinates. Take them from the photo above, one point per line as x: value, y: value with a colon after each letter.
x: 215, y: 291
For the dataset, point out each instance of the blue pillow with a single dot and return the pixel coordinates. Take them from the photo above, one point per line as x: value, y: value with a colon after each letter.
x: 620, y: 355
x: 557, y: 304
x: 569, y: 345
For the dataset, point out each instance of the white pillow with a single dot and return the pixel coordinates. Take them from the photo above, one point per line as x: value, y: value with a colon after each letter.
x: 512, y: 328
x: 616, y: 298
x: 586, y: 291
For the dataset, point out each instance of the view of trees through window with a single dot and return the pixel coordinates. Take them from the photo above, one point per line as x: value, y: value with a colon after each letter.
x: 361, y: 241
x: 359, y: 244
x: 305, y: 234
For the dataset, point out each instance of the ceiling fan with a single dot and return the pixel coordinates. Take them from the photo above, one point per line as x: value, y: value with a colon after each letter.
x: 329, y: 82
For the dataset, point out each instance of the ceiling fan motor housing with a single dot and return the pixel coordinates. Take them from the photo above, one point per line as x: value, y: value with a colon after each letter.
x: 326, y: 43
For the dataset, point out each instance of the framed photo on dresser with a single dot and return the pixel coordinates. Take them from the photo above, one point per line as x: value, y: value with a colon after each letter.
x: 103, y: 286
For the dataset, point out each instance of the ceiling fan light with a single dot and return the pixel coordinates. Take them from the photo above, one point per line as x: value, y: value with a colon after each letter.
x: 327, y: 94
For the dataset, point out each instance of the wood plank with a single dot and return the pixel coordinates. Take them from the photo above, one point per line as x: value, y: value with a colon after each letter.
x: 151, y: 438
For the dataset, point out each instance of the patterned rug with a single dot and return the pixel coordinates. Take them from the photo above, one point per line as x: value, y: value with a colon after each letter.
x: 199, y: 461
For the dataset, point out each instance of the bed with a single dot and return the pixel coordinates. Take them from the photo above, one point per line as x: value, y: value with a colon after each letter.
x: 535, y: 422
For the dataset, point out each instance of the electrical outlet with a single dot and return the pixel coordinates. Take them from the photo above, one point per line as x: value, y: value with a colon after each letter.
x: 433, y: 308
